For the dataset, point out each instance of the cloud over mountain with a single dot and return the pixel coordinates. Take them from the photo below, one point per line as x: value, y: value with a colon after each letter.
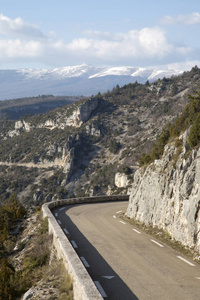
x: 24, y: 42
x: 148, y: 42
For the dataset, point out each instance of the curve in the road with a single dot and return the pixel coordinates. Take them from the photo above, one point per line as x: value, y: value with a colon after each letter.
x: 84, y: 287
x: 137, y: 264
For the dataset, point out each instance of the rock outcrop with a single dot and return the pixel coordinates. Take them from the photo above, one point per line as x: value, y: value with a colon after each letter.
x: 167, y: 194
x: 121, y: 180
x: 76, y: 118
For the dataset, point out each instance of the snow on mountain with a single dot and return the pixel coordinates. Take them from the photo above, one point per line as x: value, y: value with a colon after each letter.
x: 58, y: 73
x: 142, y: 72
x: 116, y: 71
x: 73, y: 80
x: 156, y: 74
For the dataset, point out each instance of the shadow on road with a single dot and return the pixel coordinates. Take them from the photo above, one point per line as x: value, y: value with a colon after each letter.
x: 99, y: 270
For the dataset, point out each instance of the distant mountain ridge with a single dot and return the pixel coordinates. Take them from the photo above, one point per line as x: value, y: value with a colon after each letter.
x: 73, y: 80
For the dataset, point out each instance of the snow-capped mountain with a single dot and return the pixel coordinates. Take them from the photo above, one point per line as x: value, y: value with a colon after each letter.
x: 73, y: 80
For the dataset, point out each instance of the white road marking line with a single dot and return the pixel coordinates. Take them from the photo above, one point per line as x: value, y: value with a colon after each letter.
x: 186, y: 261
x: 56, y: 214
x: 114, y: 217
x: 66, y: 231
x: 122, y: 222
x: 198, y: 278
x: 101, y: 290
x: 157, y: 243
x: 136, y: 231
x: 84, y: 261
x: 62, y: 208
x: 118, y: 212
x: 108, y: 277
x: 74, y: 244
x: 59, y: 222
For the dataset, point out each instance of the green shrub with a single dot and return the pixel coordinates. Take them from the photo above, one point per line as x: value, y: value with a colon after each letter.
x: 187, y: 117
x: 104, y: 175
x: 145, y: 159
x: 114, y: 146
x: 6, y: 288
x: 43, y: 226
x: 194, y: 136
x: 158, y: 148
x: 124, y: 169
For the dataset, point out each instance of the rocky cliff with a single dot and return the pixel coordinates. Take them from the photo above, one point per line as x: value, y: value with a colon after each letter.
x: 74, y: 116
x: 90, y: 147
x: 167, y: 194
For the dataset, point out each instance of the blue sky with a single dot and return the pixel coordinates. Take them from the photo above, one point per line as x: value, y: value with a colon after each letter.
x: 50, y: 34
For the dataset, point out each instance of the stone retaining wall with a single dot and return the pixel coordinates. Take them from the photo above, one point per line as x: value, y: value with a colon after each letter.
x: 84, y: 287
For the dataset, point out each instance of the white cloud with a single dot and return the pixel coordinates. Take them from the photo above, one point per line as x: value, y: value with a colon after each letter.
x: 13, y: 49
x: 154, y: 43
x: 190, y: 19
x: 148, y: 42
x: 25, y: 42
x: 80, y: 44
x: 18, y: 28
x: 183, y: 65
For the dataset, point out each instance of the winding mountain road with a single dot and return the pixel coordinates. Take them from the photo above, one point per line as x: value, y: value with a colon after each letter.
x: 124, y: 262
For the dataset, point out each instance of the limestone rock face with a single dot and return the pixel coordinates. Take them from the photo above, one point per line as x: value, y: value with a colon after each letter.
x: 92, y: 130
x: 29, y: 294
x: 42, y: 291
x: 168, y: 196
x: 80, y: 115
x: 83, y: 113
x: 121, y: 180
x: 22, y: 125
x: 68, y: 161
x: 19, y: 125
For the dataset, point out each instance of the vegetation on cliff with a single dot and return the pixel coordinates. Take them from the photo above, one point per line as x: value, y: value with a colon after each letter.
x: 9, y: 214
x: 190, y: 117
x: 20, y: 270
x: 45, y: 161
x: 59, y: 156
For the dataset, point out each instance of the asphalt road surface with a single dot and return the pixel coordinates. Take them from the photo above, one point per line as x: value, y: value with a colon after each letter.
x: 124, y: 262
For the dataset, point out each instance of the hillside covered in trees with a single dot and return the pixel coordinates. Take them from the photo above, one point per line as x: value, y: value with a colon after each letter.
x: 79, y: 149
x: 83, y: 149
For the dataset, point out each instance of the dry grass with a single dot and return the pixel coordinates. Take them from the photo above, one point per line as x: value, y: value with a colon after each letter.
x: 58, y: 277
x: 39, y: 267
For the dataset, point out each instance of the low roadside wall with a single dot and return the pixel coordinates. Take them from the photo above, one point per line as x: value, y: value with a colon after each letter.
x: 84, y: 287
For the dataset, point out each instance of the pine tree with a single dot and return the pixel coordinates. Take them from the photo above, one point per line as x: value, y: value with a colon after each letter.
x: 6, y: 289
x: 14, y: 206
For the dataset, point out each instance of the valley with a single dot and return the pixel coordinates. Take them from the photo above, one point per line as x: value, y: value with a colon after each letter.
x: 138, y: 139
x: 88, y: 142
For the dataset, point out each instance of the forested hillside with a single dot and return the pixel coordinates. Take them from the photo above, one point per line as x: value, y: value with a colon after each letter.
x: 15, y: 109
x: 86, y: 148
x: 90, y: 147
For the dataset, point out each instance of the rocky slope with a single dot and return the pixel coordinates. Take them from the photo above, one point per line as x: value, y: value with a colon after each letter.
x: 166, y: 193
x: 38, y: 273
x: 90, y: 147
